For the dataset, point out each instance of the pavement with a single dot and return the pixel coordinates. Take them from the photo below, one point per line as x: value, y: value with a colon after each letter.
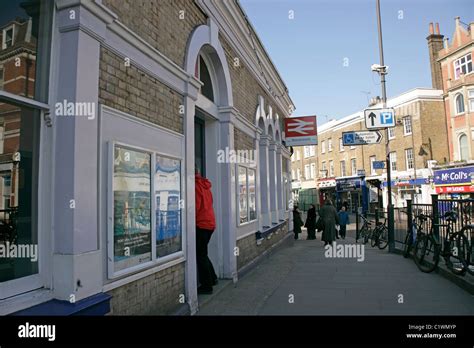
x: 300, y: 280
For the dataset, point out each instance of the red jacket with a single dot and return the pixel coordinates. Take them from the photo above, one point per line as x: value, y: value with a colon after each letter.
x: 205, y: 218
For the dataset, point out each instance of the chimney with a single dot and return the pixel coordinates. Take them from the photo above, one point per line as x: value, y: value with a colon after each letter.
x: 435, y: 44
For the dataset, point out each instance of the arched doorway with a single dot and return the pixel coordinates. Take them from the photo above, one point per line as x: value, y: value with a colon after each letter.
x: 206, y: 61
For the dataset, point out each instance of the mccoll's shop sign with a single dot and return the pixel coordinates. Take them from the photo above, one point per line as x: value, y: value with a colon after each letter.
x: 454, y: 180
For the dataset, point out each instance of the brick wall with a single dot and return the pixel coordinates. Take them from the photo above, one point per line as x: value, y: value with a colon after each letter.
x: 130, y: 90
x: 249, y: 250
x: 245, y: 88
x: 157, y: 294
x: 243, y: 141
x: 159, y: 23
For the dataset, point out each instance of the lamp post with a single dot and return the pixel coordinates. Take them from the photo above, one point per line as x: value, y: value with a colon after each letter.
x: 382, y: 70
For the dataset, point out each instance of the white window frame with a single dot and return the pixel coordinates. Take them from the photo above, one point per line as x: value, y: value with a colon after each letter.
x: 312, y: 150
x: 459, y: 146
x: 470, y: 96
x: 391, y: 133
x: 456, y: 109
x: 393, y: 160
x: 457, y: 64
x: 298, y: 174
x: 323, y: 146
x: 342, y: 167
x: 298, y: 157
x: 247, y: 168
x: 306, y: 172
x: 372, y: 159
x: 409, y: 159
x: 329, y: 144
x: 323, y: 169
x: 331, y: 169
x: 306, y: 152
x: 341, y: 145
x: 155, y: 260
x: 353, y: 166
x: 313, y: 170
x: 407, y: 125
x: 4, y: 43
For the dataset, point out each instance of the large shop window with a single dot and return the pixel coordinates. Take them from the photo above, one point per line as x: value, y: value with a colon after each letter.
x: 25, y: 40
x: 19, y: 153
x: 247, y: 197
x: 146, y: 226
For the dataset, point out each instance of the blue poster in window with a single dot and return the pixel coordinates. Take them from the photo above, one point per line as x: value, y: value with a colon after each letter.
x: 168, y: 205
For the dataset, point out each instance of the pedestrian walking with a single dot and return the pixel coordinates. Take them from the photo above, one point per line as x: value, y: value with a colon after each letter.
x: 343, y: 221
x: 328, y: 214
x: 297, y: 221
x: 310, y: 223
x: 205, y: 225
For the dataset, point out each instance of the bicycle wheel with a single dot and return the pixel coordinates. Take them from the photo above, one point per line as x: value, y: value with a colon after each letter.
x: 455, y: 251
x: 382, y: 241
x: 426, y: 253
x: 363, y: 234
x: 465, y: 238
x: 374, y: 238
x: 408, y: 244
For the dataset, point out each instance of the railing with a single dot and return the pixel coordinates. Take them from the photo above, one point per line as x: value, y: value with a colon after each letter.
x: 436, y: 211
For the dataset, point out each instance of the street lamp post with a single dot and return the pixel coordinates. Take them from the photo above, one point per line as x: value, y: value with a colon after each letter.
x: 383, y: 72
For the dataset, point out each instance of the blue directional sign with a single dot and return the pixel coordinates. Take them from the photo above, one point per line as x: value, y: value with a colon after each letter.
x: 379, y: 118
x: 361, y: 138
x: 378, y: 164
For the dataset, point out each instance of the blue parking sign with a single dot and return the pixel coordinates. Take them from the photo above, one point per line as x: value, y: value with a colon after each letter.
x: 386, y: 118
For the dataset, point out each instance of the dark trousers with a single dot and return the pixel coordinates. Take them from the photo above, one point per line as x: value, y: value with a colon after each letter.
x: 342, y: 231
x: 311, y: 233
x: 206, y: 274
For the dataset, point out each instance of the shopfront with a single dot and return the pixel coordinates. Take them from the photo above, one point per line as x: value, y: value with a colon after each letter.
x: 327, y: 189
x: 352, y: 190
x: 455, y: 183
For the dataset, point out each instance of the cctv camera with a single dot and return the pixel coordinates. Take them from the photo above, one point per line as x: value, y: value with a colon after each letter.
x: 375, y: 67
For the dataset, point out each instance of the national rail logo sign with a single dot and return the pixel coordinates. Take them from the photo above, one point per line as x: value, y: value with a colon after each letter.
x: 300, y: 131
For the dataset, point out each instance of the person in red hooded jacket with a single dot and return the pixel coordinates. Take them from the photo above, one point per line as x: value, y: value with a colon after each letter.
x: 205, y: 225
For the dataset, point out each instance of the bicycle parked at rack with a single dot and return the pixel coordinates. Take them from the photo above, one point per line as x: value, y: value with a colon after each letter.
x: 466, y: 235
x: 365, y: 231
x: 379, y: 235
x: 416, y: 229
x: 428, y: 247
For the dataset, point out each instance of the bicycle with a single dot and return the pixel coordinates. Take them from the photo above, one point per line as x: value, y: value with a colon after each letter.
x: 379, y: 236
x: 416, y: 229
x: 427, y: 249
x: 467, y: 258
x: 365, y: 231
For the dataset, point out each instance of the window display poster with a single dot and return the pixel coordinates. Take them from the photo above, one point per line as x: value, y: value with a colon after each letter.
x: 168, y: 205
x: 132, y: 206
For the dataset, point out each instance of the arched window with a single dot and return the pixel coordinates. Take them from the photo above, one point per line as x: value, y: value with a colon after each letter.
x: 459, y: 99
x: 205, y: 78
x: 463, y: 148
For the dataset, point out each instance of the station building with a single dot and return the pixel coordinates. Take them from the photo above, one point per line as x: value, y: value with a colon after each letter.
x: 106, y: 108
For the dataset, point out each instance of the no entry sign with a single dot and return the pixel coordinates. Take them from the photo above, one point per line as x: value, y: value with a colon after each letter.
x: 301, y: 131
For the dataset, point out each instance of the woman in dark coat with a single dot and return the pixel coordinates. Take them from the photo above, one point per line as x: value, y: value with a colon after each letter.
x: 328, y: 214
x: 311, y: 222
x: 297, y: 221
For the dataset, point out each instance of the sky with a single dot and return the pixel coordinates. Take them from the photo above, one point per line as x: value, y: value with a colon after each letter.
x: 325, y: 52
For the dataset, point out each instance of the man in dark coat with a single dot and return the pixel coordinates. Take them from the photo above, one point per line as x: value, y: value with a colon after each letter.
x: 311, y: 222
x: 328, y: 214
x: 297, y: 221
